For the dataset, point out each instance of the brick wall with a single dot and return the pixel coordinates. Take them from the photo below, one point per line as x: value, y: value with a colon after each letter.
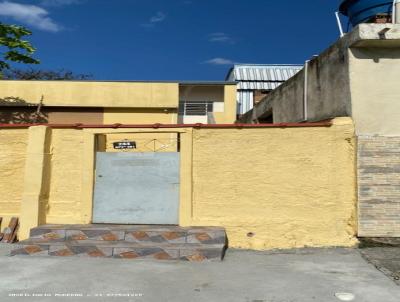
x: 379, y: 186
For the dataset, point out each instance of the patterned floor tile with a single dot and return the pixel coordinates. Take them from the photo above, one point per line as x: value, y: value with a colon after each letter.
x: 198, y: 255
x: 146, y: 253
x: 34, y: 250
x: 47, y: 234
x: 105, y: 235
x: 156, y: 236
x: 82, y: 251
x: 206, y: 237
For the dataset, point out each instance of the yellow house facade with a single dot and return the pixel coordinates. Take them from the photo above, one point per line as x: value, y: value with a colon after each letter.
x: 90, y: 102
x: 268, y: 186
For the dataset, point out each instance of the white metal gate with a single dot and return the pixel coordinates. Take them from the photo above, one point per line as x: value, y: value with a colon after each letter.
x: 137, y: 188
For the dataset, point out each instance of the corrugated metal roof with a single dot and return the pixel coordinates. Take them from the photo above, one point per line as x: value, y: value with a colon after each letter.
x: 258, y: 85
x: 273, y: 75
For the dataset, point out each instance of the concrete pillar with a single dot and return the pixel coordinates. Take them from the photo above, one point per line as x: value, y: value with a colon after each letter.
x: 35, y: 193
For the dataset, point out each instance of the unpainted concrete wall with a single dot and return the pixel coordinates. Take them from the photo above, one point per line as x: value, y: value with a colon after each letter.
x: 328, y: 91
x: 375, y: 89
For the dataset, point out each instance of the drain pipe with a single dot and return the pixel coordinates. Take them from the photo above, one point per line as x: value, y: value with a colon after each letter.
x: 396, y: 12
x: 305, y: 94
x: 339, y: 22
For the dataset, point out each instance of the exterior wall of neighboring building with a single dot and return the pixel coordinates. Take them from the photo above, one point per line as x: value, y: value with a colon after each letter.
x: 379, y: 186
x: 300, y: 193
x: 358, y: 77
x: 375, y: 90
x: 221, y: 98
x: 254, y: 79
x: 60, y: 102
x: 140, y: 116
x: 93, y: 94
x: 326, y: 73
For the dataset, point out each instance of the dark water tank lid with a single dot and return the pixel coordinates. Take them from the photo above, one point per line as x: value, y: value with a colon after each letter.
x: 360, y: 11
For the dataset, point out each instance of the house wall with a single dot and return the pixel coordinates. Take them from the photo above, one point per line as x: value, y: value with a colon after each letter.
x: 224, y: 98
x: 376, y: 112
x: 93, y: 94
x: 297, y: 190
x: 379, y: 186
x: 358, y: 77
x: 326, y: 73
x: 65, y: 180
x: 13, y: 145
x: 108, y: 102
x: 140, y: 116
x: 228, y: 116
x: 145, y: 142
x: 375, y: 103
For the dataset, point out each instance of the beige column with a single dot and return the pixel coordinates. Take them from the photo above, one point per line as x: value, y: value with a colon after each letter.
x: 186, y: 192
x: 35, y: 193
x: 89, y: 142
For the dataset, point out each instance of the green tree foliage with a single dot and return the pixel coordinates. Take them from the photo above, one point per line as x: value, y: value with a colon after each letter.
x: 44, y: 75
x: 12, y: 46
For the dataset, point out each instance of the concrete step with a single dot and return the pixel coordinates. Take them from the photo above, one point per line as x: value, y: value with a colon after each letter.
x: 121, y: 249
x: 130, y: 233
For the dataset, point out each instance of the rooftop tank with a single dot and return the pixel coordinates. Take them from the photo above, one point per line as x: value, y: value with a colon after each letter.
x: 360, y: 11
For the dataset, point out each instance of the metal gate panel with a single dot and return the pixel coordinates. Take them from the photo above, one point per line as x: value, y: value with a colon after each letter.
x: 136, y: 188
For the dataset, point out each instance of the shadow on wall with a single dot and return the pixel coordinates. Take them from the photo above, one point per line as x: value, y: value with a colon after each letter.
x: 15, y: 110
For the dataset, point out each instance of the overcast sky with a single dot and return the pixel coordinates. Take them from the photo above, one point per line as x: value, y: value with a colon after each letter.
x: 172, y: 39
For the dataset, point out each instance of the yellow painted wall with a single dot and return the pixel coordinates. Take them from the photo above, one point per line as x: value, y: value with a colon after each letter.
x: 277, y: 188
x: 13, y: 144
x: 145, y: 142
x: 66, y: 163
x: 94, y: 94
x: 139, y: 116
x: 269, y: 187
x: 229, y: 114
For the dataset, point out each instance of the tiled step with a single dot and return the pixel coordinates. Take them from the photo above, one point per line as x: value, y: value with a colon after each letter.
x: 161, y: 242
x: 121, y: 249
x: 130, y: 233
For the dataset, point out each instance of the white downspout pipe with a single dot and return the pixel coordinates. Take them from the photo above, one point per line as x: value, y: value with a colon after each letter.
x: 305, y: 95
x: 396, y: 12
x: 339, y: 22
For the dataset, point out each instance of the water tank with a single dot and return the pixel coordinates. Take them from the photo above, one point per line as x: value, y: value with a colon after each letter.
x: 360, y: 11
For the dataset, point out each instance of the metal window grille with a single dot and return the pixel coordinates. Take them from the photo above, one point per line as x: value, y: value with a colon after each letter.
x: 195, y: 108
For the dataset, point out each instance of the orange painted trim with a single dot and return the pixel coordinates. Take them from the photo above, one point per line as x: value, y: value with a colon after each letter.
x: 157, y: 126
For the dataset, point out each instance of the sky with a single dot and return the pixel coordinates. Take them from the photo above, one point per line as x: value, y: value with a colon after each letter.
x: 172, y: 39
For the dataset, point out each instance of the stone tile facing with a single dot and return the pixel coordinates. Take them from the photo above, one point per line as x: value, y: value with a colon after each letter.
x: 125, y: 242
x: 160, y: 236
x: 47, y: 234
x: 379, y: 186
x: 82, y: 251
x: 199, y: 254
x: 157, y: 253
x: 206, y: 236
x: 93, y: 234
x: 31, y: 250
